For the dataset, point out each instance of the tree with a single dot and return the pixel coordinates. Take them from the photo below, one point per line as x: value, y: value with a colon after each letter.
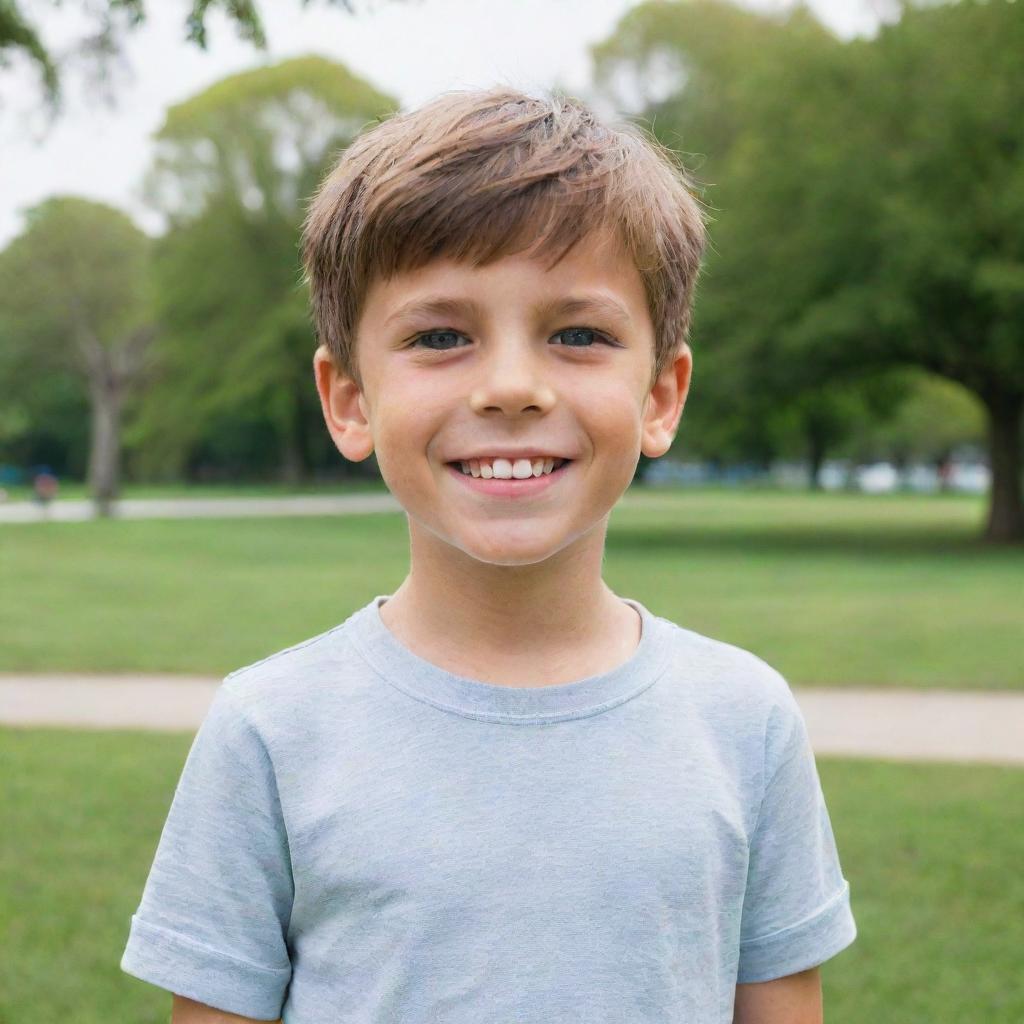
x: 697, y: 72
x: 112, y: 21
x: 869, y: 203
x: 234, y: 166
x: 75, y: 293
x: 937, y: 417
x: 947, y: 281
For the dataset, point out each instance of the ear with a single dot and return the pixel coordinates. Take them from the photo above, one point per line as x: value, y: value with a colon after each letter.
x: 344, y: 408
x: 665, y: 404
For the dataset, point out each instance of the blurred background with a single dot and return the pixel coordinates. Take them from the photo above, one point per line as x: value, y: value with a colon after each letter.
x: 843, y: 496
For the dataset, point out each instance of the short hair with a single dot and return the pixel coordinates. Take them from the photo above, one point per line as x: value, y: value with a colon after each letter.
x: 475, y: 175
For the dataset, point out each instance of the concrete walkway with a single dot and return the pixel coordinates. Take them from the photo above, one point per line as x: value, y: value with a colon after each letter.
x: 899, y: 725
x: 67, y: 510
x: 75, y: 511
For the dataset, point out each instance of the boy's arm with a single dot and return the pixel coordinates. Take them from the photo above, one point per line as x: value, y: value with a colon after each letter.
x: 188, y: 1011
x: 795, y: 999
x: 213, y: 919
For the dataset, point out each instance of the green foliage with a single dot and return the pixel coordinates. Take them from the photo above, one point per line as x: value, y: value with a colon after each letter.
x: 112, y: 21
x: 18, y: 34
x: 77, y: 262
x: 233, y: 168
x: 947, y: 141
x: 867, y: 204
x: 74, y: 281
x: 752, y: 109
x: 935, y: 416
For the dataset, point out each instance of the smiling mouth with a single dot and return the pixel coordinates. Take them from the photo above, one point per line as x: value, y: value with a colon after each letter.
x: 559, y: 464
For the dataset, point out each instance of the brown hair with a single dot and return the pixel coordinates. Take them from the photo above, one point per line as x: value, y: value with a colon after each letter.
x: 476, y: 175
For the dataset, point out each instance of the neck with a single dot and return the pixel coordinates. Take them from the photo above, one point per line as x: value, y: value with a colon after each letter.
x: 556, y: 618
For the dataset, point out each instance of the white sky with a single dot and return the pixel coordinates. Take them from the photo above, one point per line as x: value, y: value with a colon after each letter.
x: 411, y: 50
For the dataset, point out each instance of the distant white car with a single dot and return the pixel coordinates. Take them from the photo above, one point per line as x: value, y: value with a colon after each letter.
x: 921, y: 477
x: 834, y: 474
x: 972, y: 477
x: 878, y: 478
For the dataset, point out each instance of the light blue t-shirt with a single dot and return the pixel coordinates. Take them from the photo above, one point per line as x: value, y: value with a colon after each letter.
x: 360, y: 837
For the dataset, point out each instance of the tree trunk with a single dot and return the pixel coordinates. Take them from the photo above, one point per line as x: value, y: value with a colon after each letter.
x: 816, y: 450
x: 821, y: 429
x: 105, y: 440
x: 291, y: 470
x: 1006, y: 504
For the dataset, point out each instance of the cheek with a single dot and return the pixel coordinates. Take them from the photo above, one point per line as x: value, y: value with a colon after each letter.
x: 409, y: 406
x: 404, y: 434
x: 613, y: 413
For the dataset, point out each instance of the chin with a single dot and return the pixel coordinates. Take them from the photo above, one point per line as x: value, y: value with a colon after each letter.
x: 507, y: 554
x: 509, y: 562
x: 510, y: 552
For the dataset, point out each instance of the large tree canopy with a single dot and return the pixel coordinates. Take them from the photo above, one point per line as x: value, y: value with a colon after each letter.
x: 233, y: 170
x: 700, y: 71
x: 868, y: 202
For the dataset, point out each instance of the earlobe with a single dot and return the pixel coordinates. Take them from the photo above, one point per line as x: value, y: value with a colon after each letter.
x: 343, y: 407
x: 665, y: 404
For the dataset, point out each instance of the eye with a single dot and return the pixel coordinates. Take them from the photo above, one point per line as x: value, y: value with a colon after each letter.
x: 577, y: 331
x: 435, y: 334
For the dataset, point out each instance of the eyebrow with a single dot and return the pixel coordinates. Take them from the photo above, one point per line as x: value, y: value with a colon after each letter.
x: 445, y: 306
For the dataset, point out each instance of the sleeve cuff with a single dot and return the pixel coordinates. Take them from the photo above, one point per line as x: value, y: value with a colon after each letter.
x: 800, y: 946
x: 185, y: 967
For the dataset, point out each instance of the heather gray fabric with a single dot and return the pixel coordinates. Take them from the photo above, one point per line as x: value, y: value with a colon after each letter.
x: 359, y: 837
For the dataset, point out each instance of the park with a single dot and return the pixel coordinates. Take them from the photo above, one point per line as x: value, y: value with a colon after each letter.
x: 172, y: 507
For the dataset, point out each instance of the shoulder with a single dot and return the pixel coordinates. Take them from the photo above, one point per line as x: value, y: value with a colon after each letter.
x: 736, y: 692
x: 724, y: 671
x: 277, y: 689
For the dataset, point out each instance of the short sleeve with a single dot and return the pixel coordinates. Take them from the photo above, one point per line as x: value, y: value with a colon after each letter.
x: 796, y: 907
x: 213, y: 918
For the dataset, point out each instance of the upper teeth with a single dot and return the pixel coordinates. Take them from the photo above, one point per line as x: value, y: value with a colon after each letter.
x: 504, y: 469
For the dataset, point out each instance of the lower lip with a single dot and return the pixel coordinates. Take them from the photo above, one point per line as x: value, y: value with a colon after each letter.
x: 510, y: 488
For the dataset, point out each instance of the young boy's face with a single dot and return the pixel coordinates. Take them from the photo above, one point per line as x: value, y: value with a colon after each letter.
x: 501, y: 370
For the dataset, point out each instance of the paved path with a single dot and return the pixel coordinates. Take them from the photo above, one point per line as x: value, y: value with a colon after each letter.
x: 901, y: 725
x: 74, y: 511
x: 67, y: 510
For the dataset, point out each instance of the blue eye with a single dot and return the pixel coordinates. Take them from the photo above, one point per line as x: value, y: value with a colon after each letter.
x: 419, y: 339
x: 436, y: 334
x: 583, y: 330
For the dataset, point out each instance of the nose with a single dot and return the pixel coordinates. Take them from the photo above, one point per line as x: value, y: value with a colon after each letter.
x: 512, y: 379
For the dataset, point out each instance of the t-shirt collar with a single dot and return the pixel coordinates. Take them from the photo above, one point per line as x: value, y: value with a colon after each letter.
x: 425, y: 681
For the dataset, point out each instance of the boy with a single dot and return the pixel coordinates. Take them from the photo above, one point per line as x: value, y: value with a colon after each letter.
x: 501, y: 794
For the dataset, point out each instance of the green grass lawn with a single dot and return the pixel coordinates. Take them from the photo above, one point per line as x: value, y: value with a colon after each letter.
x: 932, y: 854
x: 831, y: 589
